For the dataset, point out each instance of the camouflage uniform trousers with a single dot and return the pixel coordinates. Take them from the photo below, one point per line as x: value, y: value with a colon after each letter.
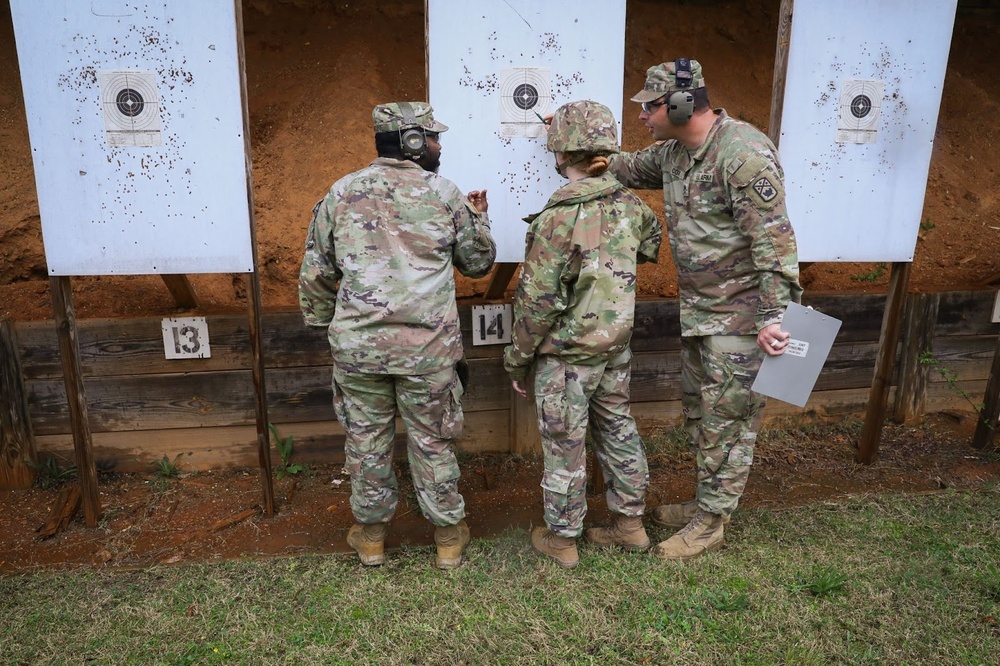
x: 430, y: 406
x: 568, y: 396
x: 721, y: 414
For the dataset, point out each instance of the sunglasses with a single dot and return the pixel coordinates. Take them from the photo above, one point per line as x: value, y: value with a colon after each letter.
x: 650, y: 107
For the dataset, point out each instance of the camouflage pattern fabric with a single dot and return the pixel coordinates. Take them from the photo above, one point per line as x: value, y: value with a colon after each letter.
x: 377, y: 269
x: 576, y: 294
x: 568, y: 397
x: 583, y: 126
x: 721, y: 414
x: 397, y: 116
x: 731, y: 240
x: 430, y: 406
x: 662, y: 79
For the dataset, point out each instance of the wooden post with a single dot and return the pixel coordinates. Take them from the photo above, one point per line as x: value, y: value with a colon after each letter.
x: 181, y: 289
x: 253, y: 293
x: 76, y: 397
x: 919, y: 320
x: 502, y: 274
x: 885, y: 360
x: 524, y: 437
x: 17, y: 444
x: 988, y: 426
x: 780, y: 69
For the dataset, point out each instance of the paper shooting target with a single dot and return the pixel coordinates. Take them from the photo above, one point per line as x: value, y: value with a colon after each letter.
x: 525, y: 94
x: 131, y: 108
x: 860, y: 111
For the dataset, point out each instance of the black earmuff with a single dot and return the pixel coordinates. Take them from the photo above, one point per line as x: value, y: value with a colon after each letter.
x: 412, y: 140
x: 680, y: 104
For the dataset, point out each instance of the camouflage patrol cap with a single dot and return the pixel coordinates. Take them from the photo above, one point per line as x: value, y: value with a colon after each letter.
x: 396, y: 116
x: 662, y: 79
x: 583, y: 126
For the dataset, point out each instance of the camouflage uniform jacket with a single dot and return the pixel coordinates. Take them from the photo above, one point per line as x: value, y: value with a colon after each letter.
x: 390, y: 235
x: 731, y: 240
x: 576, y: 295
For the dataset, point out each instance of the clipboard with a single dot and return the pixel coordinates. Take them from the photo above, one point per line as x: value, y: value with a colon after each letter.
x: 792, y: 376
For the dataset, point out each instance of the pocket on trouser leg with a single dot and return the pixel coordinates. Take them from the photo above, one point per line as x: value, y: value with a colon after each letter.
x: 339, y: 406
x: 551, y: 402
x: 437, y: 490
x: 452, y: 416
x: 373, y: 486
x: 560, y: 509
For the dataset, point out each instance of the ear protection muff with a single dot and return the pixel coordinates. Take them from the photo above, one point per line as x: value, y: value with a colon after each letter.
x: 680, y: 104
x: 412, y: 140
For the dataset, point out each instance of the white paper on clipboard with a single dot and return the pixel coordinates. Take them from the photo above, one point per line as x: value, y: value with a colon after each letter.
x: 792, y: 376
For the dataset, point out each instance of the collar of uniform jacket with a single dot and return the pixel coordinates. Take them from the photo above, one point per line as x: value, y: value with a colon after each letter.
x: 393, y: 162
x: 579, y: 191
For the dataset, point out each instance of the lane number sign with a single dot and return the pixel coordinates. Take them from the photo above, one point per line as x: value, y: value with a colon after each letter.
x: 185, y: 337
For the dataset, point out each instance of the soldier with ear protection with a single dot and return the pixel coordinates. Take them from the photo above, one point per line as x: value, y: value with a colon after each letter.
x: 377, y: 274
x: 737, y: 267
x: 573, y: 316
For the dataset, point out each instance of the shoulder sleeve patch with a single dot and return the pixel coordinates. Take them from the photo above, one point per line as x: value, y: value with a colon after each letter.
x: 758, y: 180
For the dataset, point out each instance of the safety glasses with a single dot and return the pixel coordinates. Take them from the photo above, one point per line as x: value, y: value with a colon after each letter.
x: 650, y: 107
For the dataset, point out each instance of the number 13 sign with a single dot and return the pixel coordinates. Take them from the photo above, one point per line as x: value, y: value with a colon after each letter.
x: 186, y: 337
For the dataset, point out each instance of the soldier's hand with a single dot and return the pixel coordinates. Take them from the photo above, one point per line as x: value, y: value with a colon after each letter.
x: 773, y: 340
x: 478, y: 199
x: 519, y: 388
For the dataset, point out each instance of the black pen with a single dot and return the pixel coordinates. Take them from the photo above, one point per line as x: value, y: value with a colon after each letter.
x: 544, y: 122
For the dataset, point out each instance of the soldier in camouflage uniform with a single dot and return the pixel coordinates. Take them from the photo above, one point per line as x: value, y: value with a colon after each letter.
x: 377, y: 274
x: 573, y: 314
x: 737, y: 268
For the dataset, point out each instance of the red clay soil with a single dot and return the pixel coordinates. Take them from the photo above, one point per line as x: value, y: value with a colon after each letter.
x: 315, y: 69
x: 148, y: 521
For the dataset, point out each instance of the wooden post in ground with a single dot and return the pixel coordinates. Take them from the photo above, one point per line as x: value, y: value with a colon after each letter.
x: 988, y: 426
x: 919, y: 321
x: 17, y: 444
x: 524, y: 437
x: 878, y: 399
x: 76, y: 397
x: 253, y: 293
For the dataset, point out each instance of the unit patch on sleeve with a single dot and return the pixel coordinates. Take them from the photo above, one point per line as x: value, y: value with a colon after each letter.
x: 765, y: 188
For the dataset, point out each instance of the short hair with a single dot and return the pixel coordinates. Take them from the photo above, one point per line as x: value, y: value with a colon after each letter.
x: 700, y: 96
x: 387, y: 145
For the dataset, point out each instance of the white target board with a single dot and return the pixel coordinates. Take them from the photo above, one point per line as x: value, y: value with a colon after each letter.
x: 135, y: 115
x: 862, y: 94
x: 494, y: 68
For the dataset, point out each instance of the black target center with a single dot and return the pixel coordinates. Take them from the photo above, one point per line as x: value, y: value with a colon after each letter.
x: 861, y: 106
x: 526, y: 96
x: 130, y: 102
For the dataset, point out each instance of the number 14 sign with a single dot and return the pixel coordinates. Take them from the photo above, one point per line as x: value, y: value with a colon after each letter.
x: 491, y: 324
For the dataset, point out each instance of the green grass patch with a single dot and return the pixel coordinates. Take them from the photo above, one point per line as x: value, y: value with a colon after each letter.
x: 875, y: 580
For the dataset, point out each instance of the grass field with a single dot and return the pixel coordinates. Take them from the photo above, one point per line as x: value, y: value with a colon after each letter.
x: 875, y: 580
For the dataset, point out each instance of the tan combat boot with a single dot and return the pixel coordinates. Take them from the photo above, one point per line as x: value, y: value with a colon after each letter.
x: 561, y: 549
x: 624, y: 531
x: 676, y: 516
x: 451, y: 540
x: 369, y: 541
x: 702, y: 535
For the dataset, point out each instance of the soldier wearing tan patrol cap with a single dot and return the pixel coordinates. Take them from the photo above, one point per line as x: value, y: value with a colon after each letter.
x: 737, y: 268
x: 377, y: 275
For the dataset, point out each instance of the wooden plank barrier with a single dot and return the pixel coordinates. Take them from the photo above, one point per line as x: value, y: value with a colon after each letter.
x: 201, y: 412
